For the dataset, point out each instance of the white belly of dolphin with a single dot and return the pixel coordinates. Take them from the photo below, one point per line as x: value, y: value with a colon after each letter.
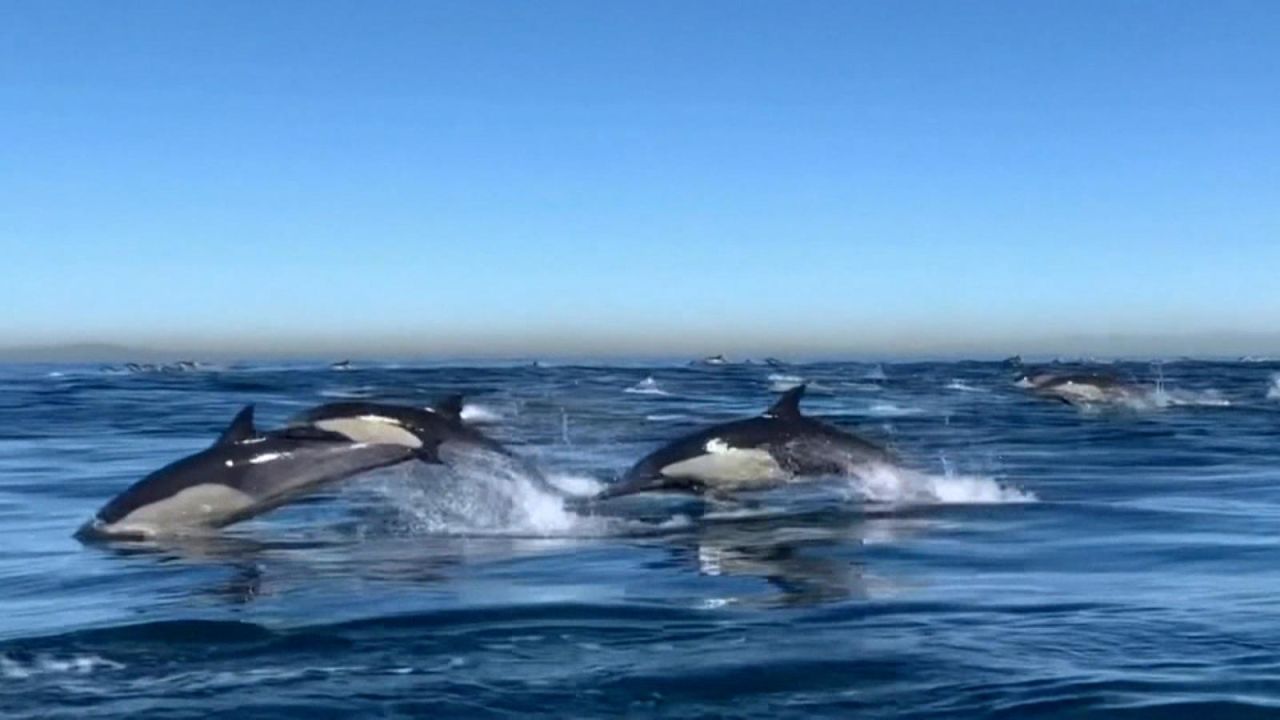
x: 371, y: 429
x: 198, y: 506
x: 729, y: 469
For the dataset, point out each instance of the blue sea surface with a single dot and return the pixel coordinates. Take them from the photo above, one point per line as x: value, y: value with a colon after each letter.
x: 1031, y: 559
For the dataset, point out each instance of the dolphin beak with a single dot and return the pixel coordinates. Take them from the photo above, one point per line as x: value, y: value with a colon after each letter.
x: 87, y: 532
x: 631, y: 486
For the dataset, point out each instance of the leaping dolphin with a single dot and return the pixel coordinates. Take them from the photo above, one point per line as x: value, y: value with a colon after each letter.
x: 439, y: 429
x: 773, y: 449
x: 245, y: 473
x: 1083, y: 388
x: 398, y: 424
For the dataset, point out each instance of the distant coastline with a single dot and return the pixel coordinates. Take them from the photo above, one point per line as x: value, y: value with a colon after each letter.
x: 1221, y: 347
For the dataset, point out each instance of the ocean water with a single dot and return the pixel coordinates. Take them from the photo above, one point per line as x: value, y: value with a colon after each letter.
x: 1030, y: 560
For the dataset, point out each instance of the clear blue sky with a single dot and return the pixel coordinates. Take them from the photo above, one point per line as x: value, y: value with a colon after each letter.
x: 657, y: 177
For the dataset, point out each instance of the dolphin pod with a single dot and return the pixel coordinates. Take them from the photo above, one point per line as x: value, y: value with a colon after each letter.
x: 247, y: 472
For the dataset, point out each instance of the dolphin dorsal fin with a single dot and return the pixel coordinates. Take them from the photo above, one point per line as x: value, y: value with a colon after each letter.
x: 788, y: 406
x: 449, y: 407
x: 240, y: 429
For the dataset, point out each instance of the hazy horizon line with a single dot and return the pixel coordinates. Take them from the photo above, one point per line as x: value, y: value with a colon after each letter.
x: 1208, y: 345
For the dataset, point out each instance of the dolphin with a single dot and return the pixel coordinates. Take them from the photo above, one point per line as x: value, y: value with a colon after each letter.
x: 245, y: 473
x: 1082, y: 388
x: 438, y: 429
x: 385, y: 423
x: 773, y: 449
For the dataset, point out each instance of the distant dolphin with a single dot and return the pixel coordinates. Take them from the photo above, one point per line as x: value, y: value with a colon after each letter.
x: 243, y: 474
x: 767, y: 451
x: 1082, y: 388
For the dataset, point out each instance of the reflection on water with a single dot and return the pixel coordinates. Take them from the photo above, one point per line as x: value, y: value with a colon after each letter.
x: 803, y: 558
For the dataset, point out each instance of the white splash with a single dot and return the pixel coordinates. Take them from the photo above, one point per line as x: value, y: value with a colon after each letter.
x: 576, y: 485
x: 782, y: 383
x: 887, y: 409
x: 1148, y: 398
x: 359, y: 392
x: 647, y: 386
x: 876, y: 374
x: 962, y: 386
x: 1162, y: 398
x: 490, y: 496
x: 888, y: 484
x: 16, y: 669
x: 1138, y: 398
x: 717, y: 446
x: 474, y: 414
x: 1273, y: 392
